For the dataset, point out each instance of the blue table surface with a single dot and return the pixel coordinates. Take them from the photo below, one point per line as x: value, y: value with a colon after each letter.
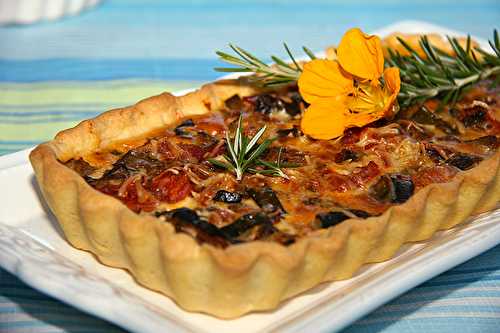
x: 174, y: 42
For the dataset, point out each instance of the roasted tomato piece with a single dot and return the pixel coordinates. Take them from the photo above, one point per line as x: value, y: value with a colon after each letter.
x: 336, y: 182
x: 436, y: 174
x: 171, y: 187
x: 351, y: 135
x: 365, y: 174
x: 195, y: 151
x: 107, y: 187
x: 135, y: 196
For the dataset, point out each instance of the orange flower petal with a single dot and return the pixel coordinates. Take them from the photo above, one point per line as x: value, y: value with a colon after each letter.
x: 323, y: 79
x: 362, y: 119
x: 392, y: 85
x: 392, y: 79
x: 361, y: 54
x: 324, y: 119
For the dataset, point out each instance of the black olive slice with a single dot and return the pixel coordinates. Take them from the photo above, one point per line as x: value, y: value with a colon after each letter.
x: 287, y: 131
x: 462, y: 161
x: 403, y: 188
x: 245, y: 223
x: 189, y: 216
x: 360, y: 213
x: 266, y: 198
x: 226, y: 196
x: 335, y: 217
x: 434, y: 155
x: 182, y: 218
x: 133, y: 161
x: 293, y: 108
x: 268, y: 104
x: 331, y: 218
x: 182, y: 214
x: 393, y: 188
x: 181, y: 131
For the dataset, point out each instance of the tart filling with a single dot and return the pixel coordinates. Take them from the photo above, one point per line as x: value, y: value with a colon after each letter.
x: 174, y: 176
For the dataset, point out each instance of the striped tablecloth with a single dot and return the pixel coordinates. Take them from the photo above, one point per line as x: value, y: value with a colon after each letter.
x: 54, y: 74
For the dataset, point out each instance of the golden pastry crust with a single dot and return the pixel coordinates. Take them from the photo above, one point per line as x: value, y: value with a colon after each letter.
x: 253, y: 276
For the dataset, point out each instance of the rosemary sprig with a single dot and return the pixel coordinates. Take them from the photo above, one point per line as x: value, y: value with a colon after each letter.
x: 280, y: 72
x: 441, y: 75
x: 436, y: 75
x: 244, y: 154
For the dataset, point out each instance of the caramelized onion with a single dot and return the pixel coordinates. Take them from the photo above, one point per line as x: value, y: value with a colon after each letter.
x: 122, y: 191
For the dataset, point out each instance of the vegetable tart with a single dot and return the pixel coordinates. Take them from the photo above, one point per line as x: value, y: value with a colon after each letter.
x: 249, y: 191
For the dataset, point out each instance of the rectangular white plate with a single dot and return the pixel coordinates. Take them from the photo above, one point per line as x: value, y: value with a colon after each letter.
x: 33, y: 248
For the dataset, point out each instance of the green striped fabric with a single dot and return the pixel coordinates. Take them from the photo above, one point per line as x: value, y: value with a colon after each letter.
x: 34, y: 112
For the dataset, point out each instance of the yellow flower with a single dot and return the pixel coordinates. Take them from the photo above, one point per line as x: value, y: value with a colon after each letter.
x: 347, y: 92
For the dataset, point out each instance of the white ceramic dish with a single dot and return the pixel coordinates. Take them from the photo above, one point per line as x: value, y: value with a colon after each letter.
x: 33, y: 248
x: 32, y: 11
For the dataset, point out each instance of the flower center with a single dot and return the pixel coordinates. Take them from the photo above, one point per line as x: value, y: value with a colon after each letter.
x: 367, y: 98
x: 368, y: 103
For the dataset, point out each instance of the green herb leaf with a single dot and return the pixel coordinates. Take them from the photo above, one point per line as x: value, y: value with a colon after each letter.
x: 278, y: 73
x: 244, y: 153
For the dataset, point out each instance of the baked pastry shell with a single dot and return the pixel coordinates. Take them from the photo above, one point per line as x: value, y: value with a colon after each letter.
x: 253, y: 276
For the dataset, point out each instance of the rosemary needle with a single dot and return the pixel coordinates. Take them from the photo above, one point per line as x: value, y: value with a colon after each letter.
x: 244, y: 154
